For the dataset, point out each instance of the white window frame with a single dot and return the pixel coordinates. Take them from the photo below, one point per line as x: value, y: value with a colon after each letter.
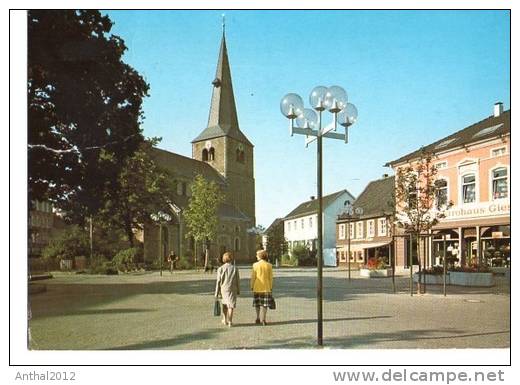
x: 444, y: 164
x: 352, y: 230
x: 382, y: 223
x: 461, y: 187
x: 288, y: 226
x: 303, y: 223
x: 490, y: 189
x: 371, y: 228
x: 471, y: 166
x: 310, y: 222
x: 447, y: 189
x: 496, y: 149
x: 341, y: 231
x: 359, y: 230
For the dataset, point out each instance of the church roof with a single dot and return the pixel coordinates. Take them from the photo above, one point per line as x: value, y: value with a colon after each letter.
x: 181, y: 166
x: 222, y: 119
x: 185, y: 167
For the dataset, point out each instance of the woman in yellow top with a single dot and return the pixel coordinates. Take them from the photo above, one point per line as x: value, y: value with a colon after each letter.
x: 262, y: 286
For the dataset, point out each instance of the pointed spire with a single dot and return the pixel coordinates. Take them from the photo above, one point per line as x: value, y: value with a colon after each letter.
x: 222, y: 120
x: 223, y: 110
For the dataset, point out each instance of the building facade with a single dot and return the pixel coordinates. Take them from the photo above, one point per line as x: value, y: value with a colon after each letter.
x: 220, y: 153
x: 301, y: 226
x: 367, y: 234
x: 474, y: 174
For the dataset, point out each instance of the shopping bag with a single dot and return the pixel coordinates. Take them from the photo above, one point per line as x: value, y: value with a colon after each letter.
x: 216, y: 308
x: 272, y: 304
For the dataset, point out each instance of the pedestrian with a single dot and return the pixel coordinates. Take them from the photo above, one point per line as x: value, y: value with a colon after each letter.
x: 227, y: 287
x: 262, y: 286
x: 173, y: 259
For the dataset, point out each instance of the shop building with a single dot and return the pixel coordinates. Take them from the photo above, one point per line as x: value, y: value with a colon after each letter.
x: 367, y: 233
x: 474, y: 174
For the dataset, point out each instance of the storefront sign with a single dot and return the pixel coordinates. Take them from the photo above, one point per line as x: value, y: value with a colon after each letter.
x: 478, y: 211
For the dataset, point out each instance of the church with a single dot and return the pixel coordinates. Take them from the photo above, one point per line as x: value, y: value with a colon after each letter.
x: 220, y: 153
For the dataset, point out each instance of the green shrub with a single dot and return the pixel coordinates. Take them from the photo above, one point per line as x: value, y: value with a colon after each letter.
x: 71, y: 242
x: 126, y: 259
x: 185, y: 262
x: 100, y: 265
x: 288, y: 260
x: 304, y: 256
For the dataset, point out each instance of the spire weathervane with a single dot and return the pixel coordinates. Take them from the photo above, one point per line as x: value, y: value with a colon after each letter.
x: 223, y: 23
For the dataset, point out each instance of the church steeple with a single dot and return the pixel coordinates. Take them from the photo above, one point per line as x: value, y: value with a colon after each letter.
x: 222, y: 119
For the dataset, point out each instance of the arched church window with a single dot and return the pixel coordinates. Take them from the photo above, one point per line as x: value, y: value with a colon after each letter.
x: 237, y: 244
x: 238, y: 155
x: 205, y: 155
x: 237, y: 229
x: 211, y: 154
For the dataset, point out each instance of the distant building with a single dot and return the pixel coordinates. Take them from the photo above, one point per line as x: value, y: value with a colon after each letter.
x: 369, y: 233
x: 271, y: 227
x: 220, y: 153
x: 474, y: 173
x: 43, y: 223
x: 301, y: 224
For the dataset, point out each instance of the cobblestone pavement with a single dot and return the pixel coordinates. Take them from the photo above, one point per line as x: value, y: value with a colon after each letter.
x: 174, y: 311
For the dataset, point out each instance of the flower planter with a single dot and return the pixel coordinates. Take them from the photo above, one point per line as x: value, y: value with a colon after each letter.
x: 471, y: 279
x: 377, y: 273
x: 432, y: 279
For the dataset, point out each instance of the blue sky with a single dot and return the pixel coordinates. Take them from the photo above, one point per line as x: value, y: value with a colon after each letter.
x: 415, y: 76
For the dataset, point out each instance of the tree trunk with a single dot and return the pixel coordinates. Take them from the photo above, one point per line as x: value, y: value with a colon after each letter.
x: 206, y: 256
x: 129, y: 233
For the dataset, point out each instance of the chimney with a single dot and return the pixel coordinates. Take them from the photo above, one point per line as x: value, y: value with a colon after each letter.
x: 312, y: 197
x: 385, y: 176
x: 498, y: 110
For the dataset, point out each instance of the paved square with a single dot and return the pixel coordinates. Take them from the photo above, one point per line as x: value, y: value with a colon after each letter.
x: 147, y: 311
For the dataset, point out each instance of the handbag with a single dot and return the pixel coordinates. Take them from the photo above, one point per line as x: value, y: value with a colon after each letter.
x: 272, y: 304
x: 216, y: 308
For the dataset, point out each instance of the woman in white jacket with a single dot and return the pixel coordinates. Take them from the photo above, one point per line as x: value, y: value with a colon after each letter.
x: 228, y: 286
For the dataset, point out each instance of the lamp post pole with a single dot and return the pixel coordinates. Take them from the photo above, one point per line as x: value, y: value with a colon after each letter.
x: 320, y: 236
x: 348, y: 244
x: 310, y: 124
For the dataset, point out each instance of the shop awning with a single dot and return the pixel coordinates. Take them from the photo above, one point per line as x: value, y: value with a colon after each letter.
x: 362, y: 246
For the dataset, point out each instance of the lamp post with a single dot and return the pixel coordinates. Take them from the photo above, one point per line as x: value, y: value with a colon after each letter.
x: 160, y: 218
x: 309, y: 123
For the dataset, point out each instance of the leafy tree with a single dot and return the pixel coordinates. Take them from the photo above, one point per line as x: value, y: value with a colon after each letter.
x: 276, y: 243
x: 84, y: 108
x: 142, y: 188
x: 201, y: 214
x: 418, y: 207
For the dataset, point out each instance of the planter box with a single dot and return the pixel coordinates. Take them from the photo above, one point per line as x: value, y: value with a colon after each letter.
x: 367, y: 273
x: 472, y: 279
x: 432, y: 279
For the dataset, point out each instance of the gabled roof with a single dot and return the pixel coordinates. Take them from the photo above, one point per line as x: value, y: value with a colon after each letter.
x: 311, y: 206
x: 377, y: 199
x: 222, y: 119
x: 492, y: 126
x: 273, y: 225
x: 178, y: 165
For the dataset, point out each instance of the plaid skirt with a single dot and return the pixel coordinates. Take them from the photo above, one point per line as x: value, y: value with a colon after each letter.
x: 263, y: 299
